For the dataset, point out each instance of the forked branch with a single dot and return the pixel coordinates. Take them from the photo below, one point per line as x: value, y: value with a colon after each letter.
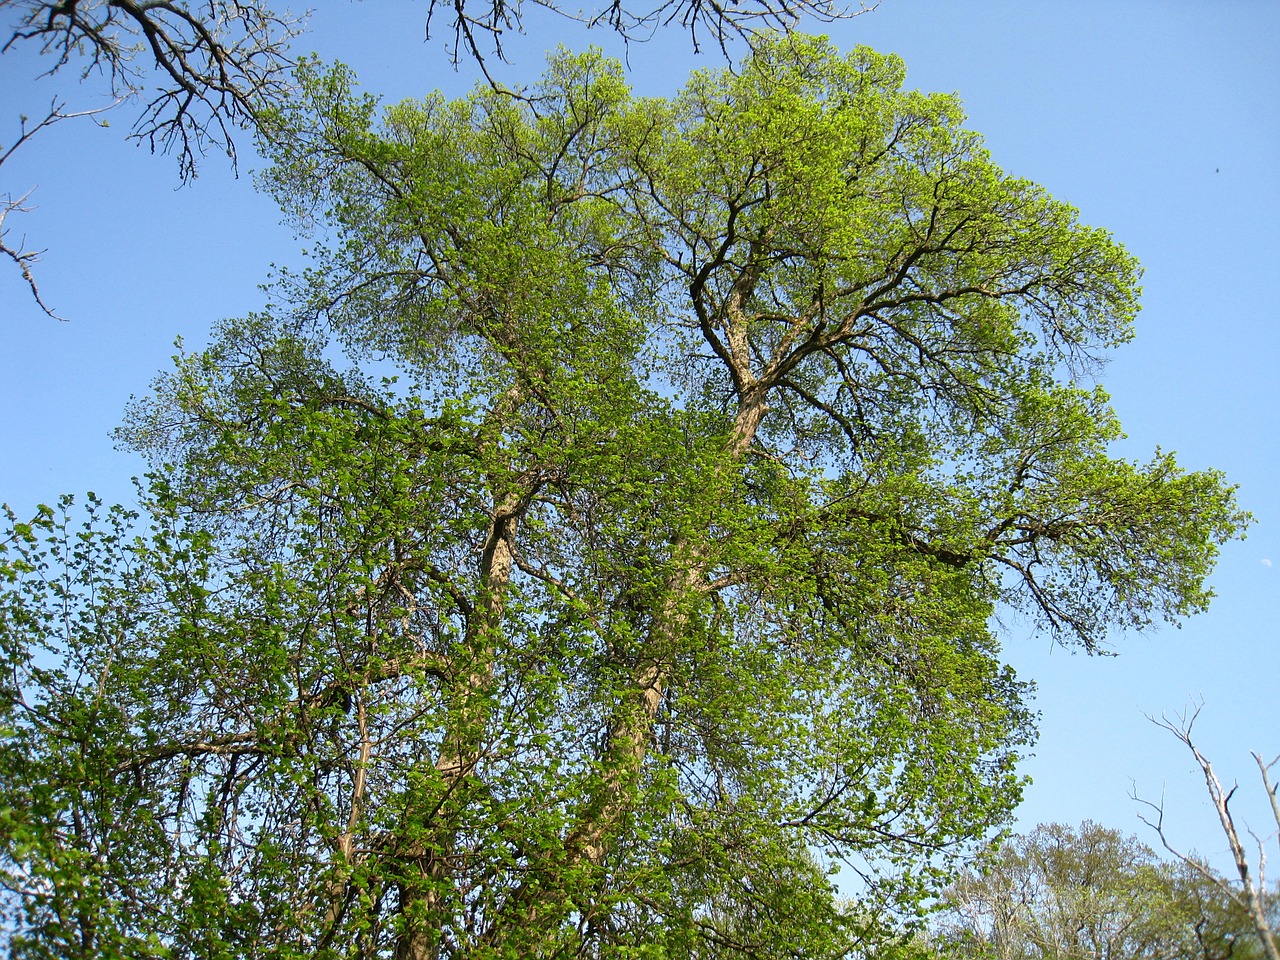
x: 202, y: 71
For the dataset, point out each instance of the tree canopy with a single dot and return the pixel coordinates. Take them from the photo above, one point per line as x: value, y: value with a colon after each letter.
x: 602, y: 539
x: 204, y: 71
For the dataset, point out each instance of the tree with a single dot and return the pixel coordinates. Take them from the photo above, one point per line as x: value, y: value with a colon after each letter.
x: 1071, y: 894
x: 1252, y: 895
x: 600, y: 540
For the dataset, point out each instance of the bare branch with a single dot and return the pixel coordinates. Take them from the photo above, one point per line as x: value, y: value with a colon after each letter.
x: 1265, y: 770
x: 1249, y: 895
x: 19, y: 254
x: 55, y: 114
x: 23, y: 257
x: 723, y: 22
x: 211, y: 70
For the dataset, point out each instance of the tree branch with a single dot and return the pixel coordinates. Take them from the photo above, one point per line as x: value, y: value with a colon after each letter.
x: 1249, y: 896
x: 22, y: 257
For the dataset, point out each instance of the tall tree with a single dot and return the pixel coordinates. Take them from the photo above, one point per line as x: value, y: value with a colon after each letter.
x: 638, y: 559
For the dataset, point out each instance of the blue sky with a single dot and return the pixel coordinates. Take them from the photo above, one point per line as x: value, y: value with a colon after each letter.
x: 1158, y: 120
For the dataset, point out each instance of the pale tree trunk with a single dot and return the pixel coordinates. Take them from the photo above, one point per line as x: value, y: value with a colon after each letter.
x: 1250, y: 894
x: 428, y: 866
x: 528, y: 912
x: 602, y: 814
x: 427, y: 859
x: 631, y: 730
x: 346, y: 853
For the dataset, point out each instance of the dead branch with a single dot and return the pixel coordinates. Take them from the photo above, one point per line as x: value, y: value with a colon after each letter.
x: 1249, y: 895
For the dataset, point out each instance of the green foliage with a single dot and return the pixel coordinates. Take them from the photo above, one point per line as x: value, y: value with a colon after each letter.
x: 1070, y: 894
x: 602, y: 538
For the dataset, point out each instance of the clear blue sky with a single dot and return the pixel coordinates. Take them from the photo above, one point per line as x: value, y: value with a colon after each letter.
x: 1159, y: 120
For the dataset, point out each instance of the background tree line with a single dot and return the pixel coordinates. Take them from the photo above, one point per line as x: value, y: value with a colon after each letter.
x: 1091, y: 893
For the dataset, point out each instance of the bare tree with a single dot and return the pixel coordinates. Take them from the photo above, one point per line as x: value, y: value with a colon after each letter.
x: 1250, y: 894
